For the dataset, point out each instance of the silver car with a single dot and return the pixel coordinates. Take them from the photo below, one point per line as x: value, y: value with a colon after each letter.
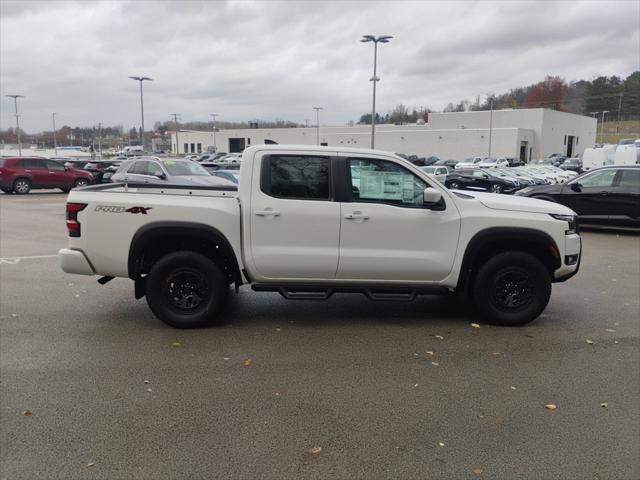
x: 169, y: 172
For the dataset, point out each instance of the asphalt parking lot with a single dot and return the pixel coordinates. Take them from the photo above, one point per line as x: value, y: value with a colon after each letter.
x: 93, y: 386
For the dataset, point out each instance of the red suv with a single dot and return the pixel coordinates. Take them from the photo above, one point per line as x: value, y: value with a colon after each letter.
x: 21, y: 174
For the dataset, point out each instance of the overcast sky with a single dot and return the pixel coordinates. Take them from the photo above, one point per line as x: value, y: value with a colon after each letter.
x: 276, y: 60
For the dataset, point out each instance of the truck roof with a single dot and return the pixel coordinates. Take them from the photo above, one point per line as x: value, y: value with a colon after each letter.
x: 316, y: 148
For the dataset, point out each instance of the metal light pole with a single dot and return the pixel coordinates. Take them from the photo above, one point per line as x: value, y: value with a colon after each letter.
x: 490, y: 125
x: 317, y: 109
x: 141, y: 79
x: 602, y: 125
x: 175, y: 121
x: 214, y: 115
x: 375, y: 79
x: 55, y: 143
x: 15, y: 104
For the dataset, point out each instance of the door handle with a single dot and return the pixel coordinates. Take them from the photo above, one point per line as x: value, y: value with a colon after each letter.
x: 356, y: 216
x: 267, y: 213
x: 604, y: 193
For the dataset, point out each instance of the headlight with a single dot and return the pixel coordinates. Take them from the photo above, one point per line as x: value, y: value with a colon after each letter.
x: 571, y: 220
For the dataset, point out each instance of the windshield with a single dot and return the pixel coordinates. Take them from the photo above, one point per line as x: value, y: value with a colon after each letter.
x: 182, y: 168
x: 429, y: 169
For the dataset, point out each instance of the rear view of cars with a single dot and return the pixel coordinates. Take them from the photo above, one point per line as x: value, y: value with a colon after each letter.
x: 22, y: 174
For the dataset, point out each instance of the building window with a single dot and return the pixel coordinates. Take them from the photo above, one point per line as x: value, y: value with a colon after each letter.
x: 199, y: 148
x: 248, y: 141
x: 577, y: 140
x: 186, y: 148
x: 193, y: 148
x: 565, y: 139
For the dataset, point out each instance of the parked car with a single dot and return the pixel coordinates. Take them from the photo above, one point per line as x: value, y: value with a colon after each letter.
x: 72, y: 163
x: 482, y: 180
x: 606, y: 196
x: 213, y: 166
x: 21, y: 174
x: 230, y: 175
x: 308, y: 223
x: 514, y: 162
x: 493, y: 163
x: 522, y: 179
x: 110, y: 171
x: 98, y: 169
x: 447, y: 163
x: 573, y: 164
x: 470, y: 162
x: 168, y: 172
x: 438, y: 172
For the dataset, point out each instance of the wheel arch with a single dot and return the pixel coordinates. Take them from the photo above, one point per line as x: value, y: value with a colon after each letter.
x: 156, y: 239
x: 491, y: 241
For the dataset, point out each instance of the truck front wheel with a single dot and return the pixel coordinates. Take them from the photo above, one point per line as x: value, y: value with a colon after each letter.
x: 186, y: 290
x: 512, y: 288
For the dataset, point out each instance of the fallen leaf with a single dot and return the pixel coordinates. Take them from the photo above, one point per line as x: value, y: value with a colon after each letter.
x: 176, y: 344
x: 513, y: 388
x: 550, y: 406
x: 26, y: 413
x: 146, y: 382
x: 149, y: 390
x: 475, y: 325
x: 415, y: 385
x: 90, y: 464
x: 439, y: 337
x: 616, y: 342
x: 226, y: 359
x: 314, y: 450
x: 590, y: 342
x: 311, y: 454
x: 604, y: 404
x: 435, y: 364
x: 248, y: 362
x: 441, y: 444
x: 429, y: 352
x: 477, y: 471
x: 496, y: 354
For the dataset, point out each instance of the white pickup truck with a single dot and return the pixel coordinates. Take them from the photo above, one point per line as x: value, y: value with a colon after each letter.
x: 311, y: 221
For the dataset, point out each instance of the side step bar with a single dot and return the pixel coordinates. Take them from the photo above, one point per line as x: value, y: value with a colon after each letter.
x: 372, y: 292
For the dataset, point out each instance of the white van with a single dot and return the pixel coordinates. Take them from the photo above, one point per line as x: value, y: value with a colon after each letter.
x: 598, y: 157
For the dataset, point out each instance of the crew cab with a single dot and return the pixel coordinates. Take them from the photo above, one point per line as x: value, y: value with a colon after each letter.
x: 307, y: 222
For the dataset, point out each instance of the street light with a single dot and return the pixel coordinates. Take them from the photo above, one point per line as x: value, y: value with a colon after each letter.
x: 55, y: 143
x: 15, y: 103
x: 175, y: 120
x: 602, y: 125
x: 317, y: 109
x: 141, y: 79
x: 214, y: 115
x: 374, y: 79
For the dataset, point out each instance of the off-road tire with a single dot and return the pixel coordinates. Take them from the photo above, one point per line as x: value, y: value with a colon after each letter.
x: 511, y: 288
x: 186, y: 289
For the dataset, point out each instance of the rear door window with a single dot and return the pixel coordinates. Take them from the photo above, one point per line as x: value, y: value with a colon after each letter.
x: 140, y: 168
x: 630, y: 179
x: 51, y: 165
x: 296, y: 177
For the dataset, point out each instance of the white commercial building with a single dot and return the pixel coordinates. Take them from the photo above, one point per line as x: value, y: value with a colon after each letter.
x: 526, y: 134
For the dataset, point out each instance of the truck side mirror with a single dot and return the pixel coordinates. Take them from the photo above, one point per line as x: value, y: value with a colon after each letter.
x: 431, y: 196
x: 576, y: 187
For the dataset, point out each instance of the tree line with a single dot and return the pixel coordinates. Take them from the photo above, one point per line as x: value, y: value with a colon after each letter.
x: 621, y: 97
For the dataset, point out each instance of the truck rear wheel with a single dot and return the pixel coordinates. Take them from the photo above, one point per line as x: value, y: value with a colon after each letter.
x: 185, y: 289
x: 512, y: 289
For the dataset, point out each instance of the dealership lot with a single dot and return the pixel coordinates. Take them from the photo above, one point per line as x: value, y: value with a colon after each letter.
x: 341, y: 389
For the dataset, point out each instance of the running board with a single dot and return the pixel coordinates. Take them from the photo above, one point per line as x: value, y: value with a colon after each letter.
x: 372, y: 292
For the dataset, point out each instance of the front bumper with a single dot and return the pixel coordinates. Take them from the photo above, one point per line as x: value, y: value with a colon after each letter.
x: 572, y: 248
x: 75, y: 261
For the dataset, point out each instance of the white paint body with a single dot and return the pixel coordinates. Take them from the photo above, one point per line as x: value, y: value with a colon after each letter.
x: 283, y: 240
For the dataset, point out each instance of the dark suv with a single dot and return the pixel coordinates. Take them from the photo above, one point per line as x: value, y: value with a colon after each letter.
x: 482, y: 179
x: 21, y: 174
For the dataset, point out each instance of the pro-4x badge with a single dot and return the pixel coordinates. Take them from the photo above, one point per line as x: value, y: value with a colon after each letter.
x: 142, y: 210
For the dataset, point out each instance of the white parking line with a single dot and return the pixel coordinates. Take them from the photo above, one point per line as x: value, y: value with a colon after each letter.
x: 15, y: 260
